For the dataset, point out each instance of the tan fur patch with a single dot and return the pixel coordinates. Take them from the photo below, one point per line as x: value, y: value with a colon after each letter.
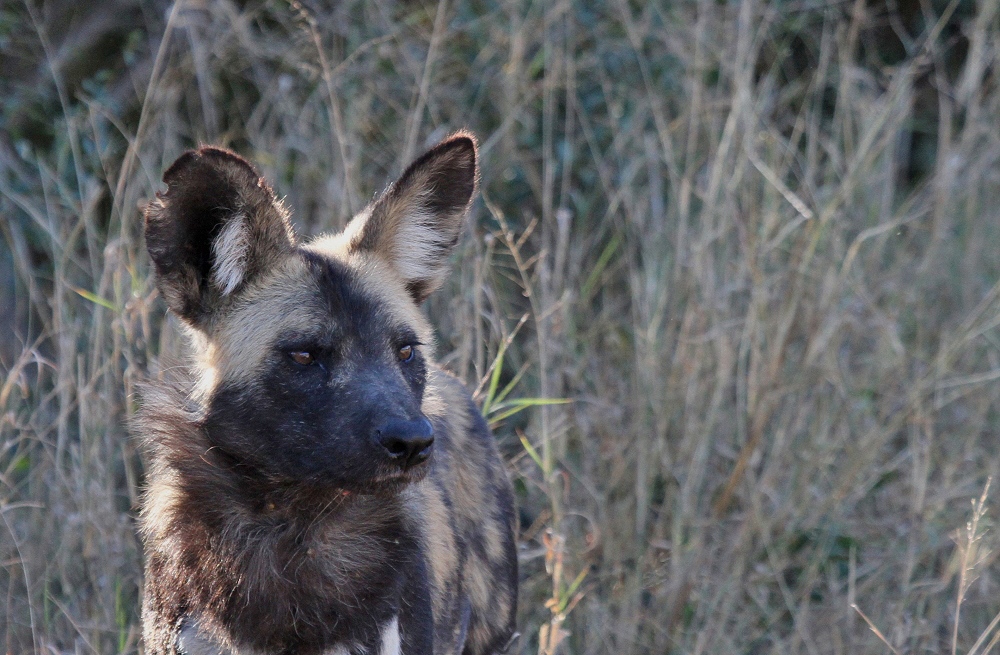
x: 477, y: 583
x: 285, y: 301
x: 439, y: 539
x: 467, y: 481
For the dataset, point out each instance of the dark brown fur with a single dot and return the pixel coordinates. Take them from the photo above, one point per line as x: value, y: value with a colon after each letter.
x: 272, y: 523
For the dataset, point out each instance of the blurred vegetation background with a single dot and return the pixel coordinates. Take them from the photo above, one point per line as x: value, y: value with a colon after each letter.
x: 755, y: 244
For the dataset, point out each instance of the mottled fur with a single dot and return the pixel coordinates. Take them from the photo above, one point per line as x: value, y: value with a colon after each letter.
x: 278, y: 519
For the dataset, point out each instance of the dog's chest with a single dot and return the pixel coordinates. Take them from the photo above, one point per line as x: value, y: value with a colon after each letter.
x: 192, y: 641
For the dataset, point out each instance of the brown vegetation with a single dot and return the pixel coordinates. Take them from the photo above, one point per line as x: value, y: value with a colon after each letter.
x: 757, y: 245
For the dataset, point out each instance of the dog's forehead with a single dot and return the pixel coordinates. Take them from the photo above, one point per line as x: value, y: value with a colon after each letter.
x: 315, y: 295
x: 288, y: 298
x: 374, y: 278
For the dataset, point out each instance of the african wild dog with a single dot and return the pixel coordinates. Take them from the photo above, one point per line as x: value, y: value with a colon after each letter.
x: 317, y: 484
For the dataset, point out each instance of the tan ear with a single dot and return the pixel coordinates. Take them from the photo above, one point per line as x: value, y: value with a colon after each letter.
x: 416, y: 222
x: 217, y: 228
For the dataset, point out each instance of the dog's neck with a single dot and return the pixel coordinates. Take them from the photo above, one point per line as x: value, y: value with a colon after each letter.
x: 274, y: 567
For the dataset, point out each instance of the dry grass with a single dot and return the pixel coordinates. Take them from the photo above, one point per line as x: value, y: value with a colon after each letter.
x: 757, y: 245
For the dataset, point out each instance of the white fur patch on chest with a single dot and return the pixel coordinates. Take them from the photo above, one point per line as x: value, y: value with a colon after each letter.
x: 191, y: 641
x: 390, y: 638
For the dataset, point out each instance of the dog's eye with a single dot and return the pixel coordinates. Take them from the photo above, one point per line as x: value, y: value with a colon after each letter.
x: 302, y: 357
x: 405, y: 353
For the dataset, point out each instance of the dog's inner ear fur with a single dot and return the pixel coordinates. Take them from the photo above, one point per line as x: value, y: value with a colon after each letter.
x: 216, y: 229
x: 416, y: 222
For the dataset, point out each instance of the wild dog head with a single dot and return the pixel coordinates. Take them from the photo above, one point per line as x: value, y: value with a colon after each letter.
x: 312, y: 358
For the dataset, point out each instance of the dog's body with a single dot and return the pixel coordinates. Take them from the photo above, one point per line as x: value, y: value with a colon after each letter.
x: 317, y: 484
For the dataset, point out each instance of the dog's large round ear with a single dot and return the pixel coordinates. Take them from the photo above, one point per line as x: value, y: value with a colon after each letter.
x: 216, y: 229
x: 416, y: 222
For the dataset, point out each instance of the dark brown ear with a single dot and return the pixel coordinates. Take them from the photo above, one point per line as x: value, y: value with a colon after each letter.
x: 416, y: 222
x: 217, y: 228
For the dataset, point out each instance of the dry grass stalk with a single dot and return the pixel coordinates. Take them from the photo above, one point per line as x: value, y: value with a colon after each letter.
x: 757, y: 246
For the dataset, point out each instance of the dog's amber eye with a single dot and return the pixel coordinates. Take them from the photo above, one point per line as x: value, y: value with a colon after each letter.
x: 302, y: 357
x: 405, y: 353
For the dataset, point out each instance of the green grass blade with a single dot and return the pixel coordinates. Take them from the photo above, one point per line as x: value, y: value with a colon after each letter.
x: 494, y: 379
x: 510, y: 385
x: 511, y: 407
x: 568, y: 596
x: 528, y: 448
x: 96, y: 299
x: 600, y: 265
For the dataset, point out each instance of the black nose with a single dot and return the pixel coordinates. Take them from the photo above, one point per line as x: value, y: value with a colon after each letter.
x: 407, y: 442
